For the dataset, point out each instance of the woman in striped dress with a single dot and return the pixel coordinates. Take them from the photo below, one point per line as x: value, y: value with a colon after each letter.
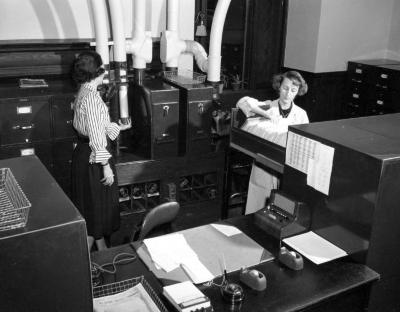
x: 94, y: 184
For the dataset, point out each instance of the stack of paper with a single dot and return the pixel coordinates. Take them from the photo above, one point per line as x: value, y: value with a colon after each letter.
x: 314, y: 247
x: 186, y: 297
x: 135, y: 299
x: 169, y: 252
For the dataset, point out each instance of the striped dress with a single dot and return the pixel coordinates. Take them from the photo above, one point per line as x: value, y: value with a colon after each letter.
x: 97, y: 203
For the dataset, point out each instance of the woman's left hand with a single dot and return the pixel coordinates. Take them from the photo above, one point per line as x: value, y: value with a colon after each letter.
x: 108, y: 175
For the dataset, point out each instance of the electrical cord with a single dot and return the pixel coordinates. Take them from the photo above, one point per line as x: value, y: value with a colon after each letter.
x: 125, y: 259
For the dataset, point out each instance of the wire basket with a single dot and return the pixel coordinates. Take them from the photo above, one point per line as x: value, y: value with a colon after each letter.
x: 184, y: 77
x: 117, y: 287
x: 14, y: 206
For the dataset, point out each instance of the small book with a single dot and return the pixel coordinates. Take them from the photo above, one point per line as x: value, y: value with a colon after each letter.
x: 186, y: 297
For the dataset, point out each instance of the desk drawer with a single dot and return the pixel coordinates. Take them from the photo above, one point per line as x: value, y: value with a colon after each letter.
x: 24, y: 120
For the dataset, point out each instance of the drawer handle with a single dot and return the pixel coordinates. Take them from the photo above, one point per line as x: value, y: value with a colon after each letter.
x: 200, y: 108
x: 165, y: 109
x: 18, y: 127
x: 379, y: 102
x: 354, y: 105
x: 69, y: 122
x: 356, y: 96
x: 384, y: 76
x: 358, y: 71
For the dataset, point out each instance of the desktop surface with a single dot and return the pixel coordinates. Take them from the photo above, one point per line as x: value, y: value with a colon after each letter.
x: 340, y: 284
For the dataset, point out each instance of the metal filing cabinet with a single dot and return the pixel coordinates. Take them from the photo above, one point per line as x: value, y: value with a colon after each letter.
x: 62, y: 115
x: 25, y: 128
x: 372, y: 88
x: 25, y: 120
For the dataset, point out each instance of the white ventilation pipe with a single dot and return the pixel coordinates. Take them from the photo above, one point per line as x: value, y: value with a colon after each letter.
x: 214, y: 57
x: 172, y: 46
x: 141, y: 45
x: 101, y: 33
x: 173, y: 15
x: 199, y: 53
x: 119, y: 55
x: 118, y: 32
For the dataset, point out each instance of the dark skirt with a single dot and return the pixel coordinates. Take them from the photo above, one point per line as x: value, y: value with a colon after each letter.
x: 97, y: 203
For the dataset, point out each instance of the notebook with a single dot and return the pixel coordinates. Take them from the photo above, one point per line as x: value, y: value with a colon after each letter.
x: 186, y: 297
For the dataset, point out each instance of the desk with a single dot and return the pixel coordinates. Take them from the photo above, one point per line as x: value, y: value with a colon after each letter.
x: 334, y: 286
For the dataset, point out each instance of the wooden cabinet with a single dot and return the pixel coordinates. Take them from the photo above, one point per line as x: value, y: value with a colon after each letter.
x: 373, y: 87
x: 195, y: 182
x: 253, y: 39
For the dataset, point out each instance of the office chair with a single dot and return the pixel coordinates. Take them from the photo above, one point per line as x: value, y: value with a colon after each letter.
x: 158, y: 217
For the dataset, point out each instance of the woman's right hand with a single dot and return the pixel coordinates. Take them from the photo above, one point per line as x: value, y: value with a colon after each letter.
x: 127, y: 124
x: 108, y: 176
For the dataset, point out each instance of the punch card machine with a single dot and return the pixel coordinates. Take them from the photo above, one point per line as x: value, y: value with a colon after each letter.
x: 283, y: 216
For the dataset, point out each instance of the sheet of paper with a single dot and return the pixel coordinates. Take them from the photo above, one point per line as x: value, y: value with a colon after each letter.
x: 135, y: 299
x: 314, y: 247
x: 227, y: 230
x: 196, y: 270
x: 167, y: 251
x: 299, y: 150
x: 320, y: 168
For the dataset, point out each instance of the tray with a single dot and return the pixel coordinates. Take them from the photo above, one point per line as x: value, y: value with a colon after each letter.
x: 117, y: 287
x: 185, y: 78
x: 14, y: 206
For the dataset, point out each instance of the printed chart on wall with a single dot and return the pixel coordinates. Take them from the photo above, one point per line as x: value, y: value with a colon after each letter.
x: 312, y: 158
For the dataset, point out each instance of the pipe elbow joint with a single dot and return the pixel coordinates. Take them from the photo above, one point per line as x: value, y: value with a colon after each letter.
x: 171, y: 48
x: 199, y: 53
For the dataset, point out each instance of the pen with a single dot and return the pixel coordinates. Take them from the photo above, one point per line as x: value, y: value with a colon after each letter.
x: 223, y: 262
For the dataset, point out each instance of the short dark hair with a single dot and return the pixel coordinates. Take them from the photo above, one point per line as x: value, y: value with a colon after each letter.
x: 87, y: 66
x: 295, y: 77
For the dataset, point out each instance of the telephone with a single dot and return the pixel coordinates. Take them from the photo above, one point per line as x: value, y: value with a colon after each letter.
x: 283, y: 216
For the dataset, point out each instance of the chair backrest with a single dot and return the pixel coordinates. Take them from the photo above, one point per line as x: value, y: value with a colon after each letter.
x: 161, y: 214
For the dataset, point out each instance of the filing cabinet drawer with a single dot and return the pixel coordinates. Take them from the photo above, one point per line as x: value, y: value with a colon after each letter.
x: 24, y: 120
x: 380, y: 77
x: 62, y: 114
x: 41, y: 150
x: 357, y: 72
x: 351, y: 110
x: 62, y: 155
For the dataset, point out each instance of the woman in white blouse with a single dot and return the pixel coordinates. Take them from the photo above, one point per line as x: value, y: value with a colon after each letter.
x: 276, y: 117
x: 94, y: 185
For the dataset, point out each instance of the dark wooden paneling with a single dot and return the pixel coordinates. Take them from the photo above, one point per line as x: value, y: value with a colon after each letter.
x: 27, y: 60
x: 266, y: 39
x: 325, y: 95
